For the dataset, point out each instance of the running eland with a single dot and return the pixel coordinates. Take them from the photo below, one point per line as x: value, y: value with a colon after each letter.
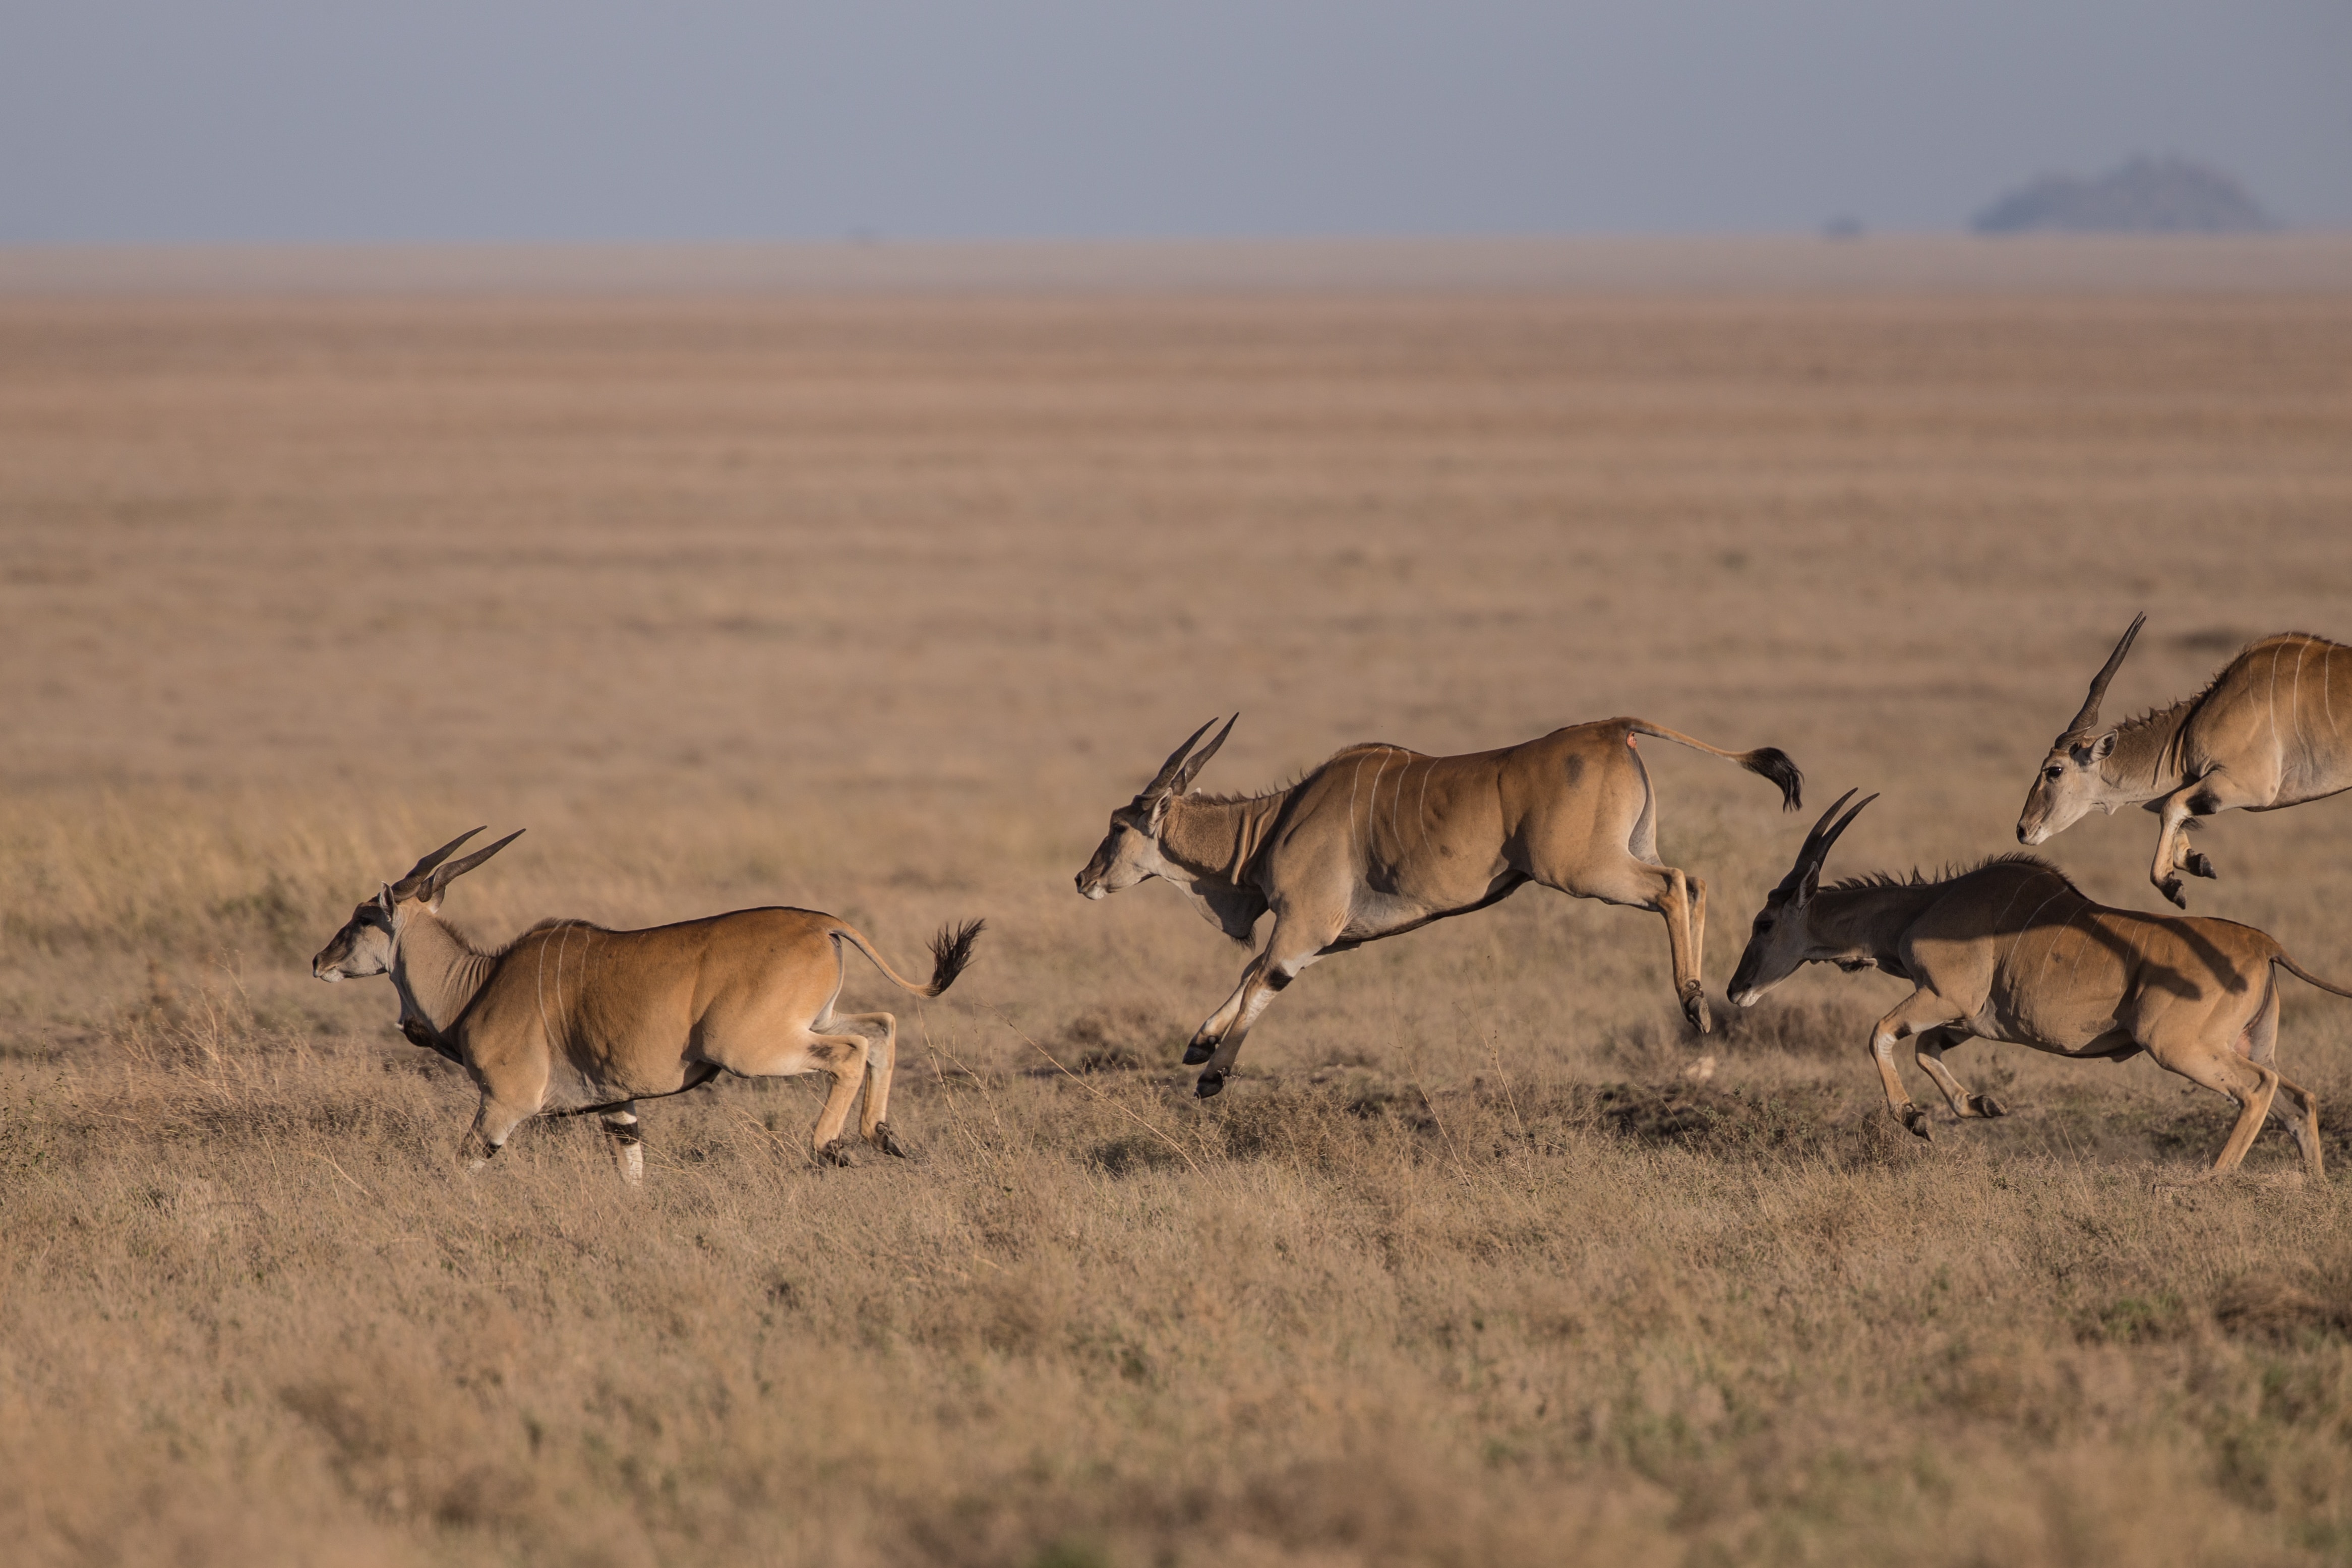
x: 2013, y: 952
x: 1380, y: 840
x: 571, y: 1019
x: 2264, y: 734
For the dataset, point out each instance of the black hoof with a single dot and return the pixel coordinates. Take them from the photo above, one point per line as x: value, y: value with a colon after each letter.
x: 1695, y: 1009
x: 1986, y: 1106
x: 840, y: 1151
x: 2199, y: 866
x: 887, y: 1142
x: 1916, y: 1120
x: 1198, y: 1052
x: 2170, y: 888
x: 1211, y: 1085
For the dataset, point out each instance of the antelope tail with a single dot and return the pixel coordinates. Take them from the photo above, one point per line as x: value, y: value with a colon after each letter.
x: 950, y: 956
x: 2305, y: 975
x: 1770, y: 761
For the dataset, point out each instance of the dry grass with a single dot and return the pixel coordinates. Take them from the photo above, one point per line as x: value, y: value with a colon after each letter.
x: 878, y: 607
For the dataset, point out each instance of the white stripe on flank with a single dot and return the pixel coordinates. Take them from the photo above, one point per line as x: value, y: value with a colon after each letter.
x: 2294, y: 701
x: 2271, y: 696
x: 1420, y: 806
x: 2023, y: 930
x: 1354, y: 779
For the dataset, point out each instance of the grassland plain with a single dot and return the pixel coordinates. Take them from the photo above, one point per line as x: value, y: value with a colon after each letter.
x: 878, y: 606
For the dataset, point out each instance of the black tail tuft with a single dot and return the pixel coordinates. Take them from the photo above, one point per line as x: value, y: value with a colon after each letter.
x: 952, y: 952
x: 1774, y: 764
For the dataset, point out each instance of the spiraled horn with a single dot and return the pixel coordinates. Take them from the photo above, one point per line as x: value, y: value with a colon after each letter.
x: 2089, y: 717
x: 450, y: 873
x: 407, y: 886
x: 1815, y: 850
x: 1199, y: 759
x: 1167, y: 774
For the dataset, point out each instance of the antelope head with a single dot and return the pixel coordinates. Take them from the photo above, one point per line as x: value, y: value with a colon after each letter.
x: 1781, y: 941
x: 2070, y: 782
x: 369, y: 940
x: 1129, y: 852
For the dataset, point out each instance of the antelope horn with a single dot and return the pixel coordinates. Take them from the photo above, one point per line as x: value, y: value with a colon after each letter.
x: 450, y: 873
x: 1812, y: 841
x: 1166, y: 776
x: 408, y: 885
x: 1822, y: 855
x: 1193, y: 766
x: 1816, y: 850
x: 2089, y: 716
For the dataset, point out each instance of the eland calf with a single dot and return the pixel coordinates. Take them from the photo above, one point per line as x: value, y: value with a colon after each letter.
x: 2013, y: 952
x: 571, y: 1020
x: 2262, y: 735
x: 1380, y: 840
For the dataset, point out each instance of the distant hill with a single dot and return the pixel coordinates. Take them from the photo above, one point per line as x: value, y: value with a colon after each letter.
x: 2147, y: 195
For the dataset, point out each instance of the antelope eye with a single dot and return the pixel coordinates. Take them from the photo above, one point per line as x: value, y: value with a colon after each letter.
x: 2053, y: 771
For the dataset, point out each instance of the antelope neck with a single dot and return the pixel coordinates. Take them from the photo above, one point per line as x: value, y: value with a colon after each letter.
x: 2148, y: 760
x: 1217, y: 839
x: 436, y: 972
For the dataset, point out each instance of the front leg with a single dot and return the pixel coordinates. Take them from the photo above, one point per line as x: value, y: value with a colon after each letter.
x: 2203, y: 798
x: 1927, y: 1049
x: 1290, y: 947
x: 1920, y: 1011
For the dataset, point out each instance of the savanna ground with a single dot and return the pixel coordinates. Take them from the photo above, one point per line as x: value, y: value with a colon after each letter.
x: 877, y: 606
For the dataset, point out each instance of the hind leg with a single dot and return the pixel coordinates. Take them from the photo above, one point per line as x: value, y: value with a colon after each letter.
x: 881, y: 1032
x: 628, y: 1143
x: 1927, y: 1049
x: 2249, y: 1082
x: 1665, y: 891
x: 2260, y: 1046
x: 800, y: 1051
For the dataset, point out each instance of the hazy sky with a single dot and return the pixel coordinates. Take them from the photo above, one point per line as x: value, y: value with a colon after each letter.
x: 436, y: 119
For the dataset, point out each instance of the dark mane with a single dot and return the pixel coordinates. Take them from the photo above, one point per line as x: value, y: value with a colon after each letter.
x: 1918, y: 878
x: 1204, y: 797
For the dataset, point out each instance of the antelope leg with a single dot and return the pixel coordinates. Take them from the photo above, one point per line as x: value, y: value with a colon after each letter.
x: 1919, y: 1011
x: 1927, y: 1050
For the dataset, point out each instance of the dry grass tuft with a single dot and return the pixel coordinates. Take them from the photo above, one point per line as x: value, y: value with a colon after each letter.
x: 2265, y: 1304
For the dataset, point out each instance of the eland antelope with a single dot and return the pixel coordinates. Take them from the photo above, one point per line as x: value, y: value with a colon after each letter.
x: 2262, y: 735
x: 1380, y: 840
x: 571, y: 1020
x: 2013, y: 952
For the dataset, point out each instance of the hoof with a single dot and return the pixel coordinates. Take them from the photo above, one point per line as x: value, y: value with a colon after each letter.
x: 1211, y: 1085
x: 1986, y: 1105
x: 1199, y: 1051
x: 887, y: 1142
x: 2199, y: 866
x: 2170, y: 888
x: 1695, y: 1009
x: 1916, y: 1120
x: 840, y: 1151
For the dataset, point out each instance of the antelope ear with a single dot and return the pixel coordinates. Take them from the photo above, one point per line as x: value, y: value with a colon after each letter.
x: 1159, y: 804
x: 384, y: 899
x: 2103, y: 747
